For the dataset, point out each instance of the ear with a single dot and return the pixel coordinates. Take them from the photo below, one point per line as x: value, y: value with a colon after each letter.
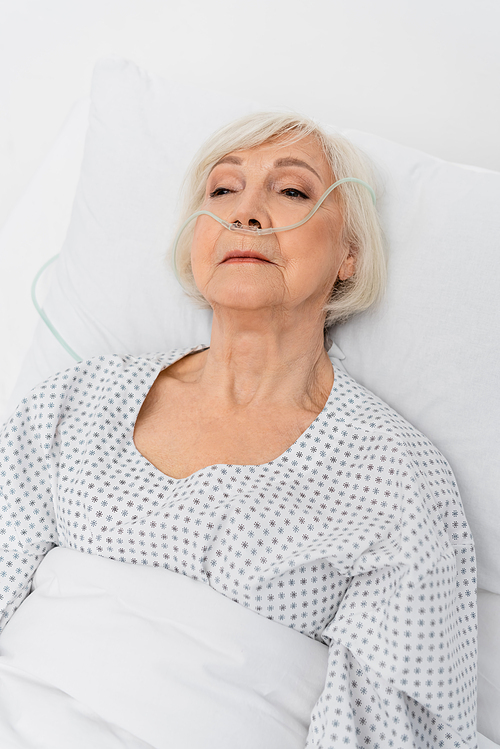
x: 348, y: 268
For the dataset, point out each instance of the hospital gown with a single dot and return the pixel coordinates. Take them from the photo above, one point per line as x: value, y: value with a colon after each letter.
x: 354, y: 536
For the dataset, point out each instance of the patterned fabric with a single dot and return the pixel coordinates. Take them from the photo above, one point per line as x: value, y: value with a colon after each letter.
x: 354, y: 536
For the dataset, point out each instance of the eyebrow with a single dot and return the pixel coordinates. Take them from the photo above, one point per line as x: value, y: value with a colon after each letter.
x: 296, y: 162
x: 228, y: 160
x: 280, y: 162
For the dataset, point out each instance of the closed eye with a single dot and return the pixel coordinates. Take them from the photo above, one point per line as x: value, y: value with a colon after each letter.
x: 289, y: 192
x: 219, y: 191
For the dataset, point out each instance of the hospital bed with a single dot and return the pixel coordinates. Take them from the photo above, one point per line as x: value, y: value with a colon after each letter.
x: 72, y: 661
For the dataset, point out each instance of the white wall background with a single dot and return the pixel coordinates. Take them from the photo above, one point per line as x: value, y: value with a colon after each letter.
x: 423, y: 72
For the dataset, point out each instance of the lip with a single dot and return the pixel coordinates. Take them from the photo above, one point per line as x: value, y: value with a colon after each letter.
x: 241, y: 256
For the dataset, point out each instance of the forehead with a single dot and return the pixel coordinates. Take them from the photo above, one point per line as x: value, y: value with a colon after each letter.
x: 305, y: 153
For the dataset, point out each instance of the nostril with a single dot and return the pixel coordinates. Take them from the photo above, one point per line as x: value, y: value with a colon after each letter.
x: 254, y: 222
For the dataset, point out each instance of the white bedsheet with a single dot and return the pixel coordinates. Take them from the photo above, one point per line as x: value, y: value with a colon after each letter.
x: 109, y: 655
x: 105, y: 654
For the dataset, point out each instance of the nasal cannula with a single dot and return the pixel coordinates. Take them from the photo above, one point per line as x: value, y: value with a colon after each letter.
x: 235, y: 226
x: 254, y: 230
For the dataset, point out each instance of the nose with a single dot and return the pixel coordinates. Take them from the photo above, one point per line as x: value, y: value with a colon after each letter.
x: 252, y: 209
x: 251, y: 222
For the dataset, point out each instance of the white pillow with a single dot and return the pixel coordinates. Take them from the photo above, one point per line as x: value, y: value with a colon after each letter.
x: 34, y: 231
x: 430, y: 350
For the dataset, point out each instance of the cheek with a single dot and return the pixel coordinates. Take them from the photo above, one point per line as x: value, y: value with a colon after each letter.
x: 317, y: 252
x: 334, y: 251
x: 203, y: 246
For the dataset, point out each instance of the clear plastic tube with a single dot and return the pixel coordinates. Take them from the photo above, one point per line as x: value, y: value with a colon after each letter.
x: 236, y: 226
x: 43, y: 315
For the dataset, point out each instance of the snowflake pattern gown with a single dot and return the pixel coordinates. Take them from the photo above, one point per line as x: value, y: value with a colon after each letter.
x: 354, y: 536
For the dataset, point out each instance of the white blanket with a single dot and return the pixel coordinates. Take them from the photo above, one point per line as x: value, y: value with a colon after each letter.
x: 105, y: 654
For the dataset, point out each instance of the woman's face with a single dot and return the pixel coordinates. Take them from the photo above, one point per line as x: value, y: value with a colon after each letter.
x: 275, y: 184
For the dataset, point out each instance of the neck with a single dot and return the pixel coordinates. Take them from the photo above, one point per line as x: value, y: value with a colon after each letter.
x: 256, y: 359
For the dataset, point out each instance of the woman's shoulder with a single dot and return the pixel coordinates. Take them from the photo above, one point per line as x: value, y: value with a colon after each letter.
x: 358, y: 409
x: 66, y: 391
x: 352, y: 403
x: 109, y: 366
x: 400, y: 454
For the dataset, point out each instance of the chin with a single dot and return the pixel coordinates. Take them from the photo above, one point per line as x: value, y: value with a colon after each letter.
x: 244, y: 295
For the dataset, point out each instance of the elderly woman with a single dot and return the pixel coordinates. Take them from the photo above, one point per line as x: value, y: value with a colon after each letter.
x: 253, y: 465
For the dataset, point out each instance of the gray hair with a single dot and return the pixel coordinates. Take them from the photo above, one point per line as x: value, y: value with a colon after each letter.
x: 362, y: 232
